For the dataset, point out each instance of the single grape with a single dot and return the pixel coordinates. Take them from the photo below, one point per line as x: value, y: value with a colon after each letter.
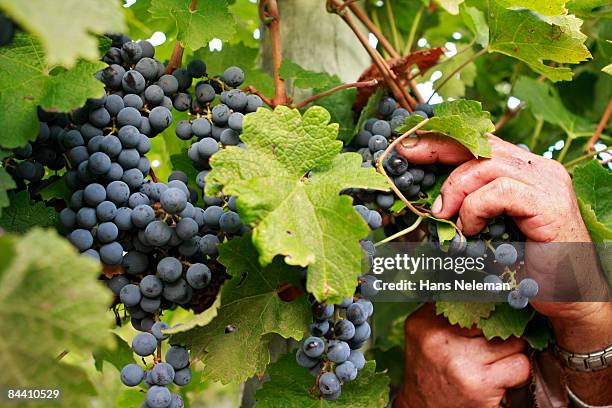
x: 176, y: 291
x: 322, y: 311
x: 169, y: 269
x: 220, y: 114
x: 356, y: 357
x: 183, y: 130
x: 516, y: 300
x: 81, y: 238
x: 329, y: 384
x: 157, y: 329
x: 130, y: 295
x: 151, y: 286
x: 154, y: 95
x: 313, y: 347
x: 506, y: 254
x: 99, y: 163
x: 160, y: 118
x: 304, y: 361
x: 208, y: 244
x: 346, y: 371
x: 123, y: 218
x: 230, y: 222
x: 182, y: 377
x: 162, y: 374
x: 198, y: 276
x: 133, y: 82
x: 107, y: 232
x: 116, y: 283
x: 177, y: 357
x: 173, y: 200
x: 368, y: 286
x: 362, y: 332
x: 233, y: 77
x: 319, y: 329
x: 158, y: 396
x: 112, y: 253
x: 356, y: 314
x: 186, y: 228
x: 147, y: 68
x: 337, y: 351
x: 528, y: 288
x: 158, y: 233
x: 344, y: 330
x: 86, y: 217
x: 132, y: 375
x: 169, y: 84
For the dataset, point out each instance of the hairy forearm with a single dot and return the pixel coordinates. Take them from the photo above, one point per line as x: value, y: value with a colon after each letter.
x: 587, y: 333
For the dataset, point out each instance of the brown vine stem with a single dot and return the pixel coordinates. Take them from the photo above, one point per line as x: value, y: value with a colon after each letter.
x: 264, y: 98
x: 381, y: 64
x: 459, y: 68
x: 176, y: 59
x: 365, y: 20
x: 268, y: 13
x: 153, y: 176
x: 330, y: 91
x: 600, y: 127
x: 62, y: 355
x: 507, y: 117
x: 381, y: 168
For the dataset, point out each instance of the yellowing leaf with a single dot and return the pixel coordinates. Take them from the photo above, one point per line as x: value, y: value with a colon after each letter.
x: 288, y: 182
x: 67, y: 28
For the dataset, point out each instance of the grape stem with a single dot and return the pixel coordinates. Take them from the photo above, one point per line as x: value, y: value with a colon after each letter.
x: 264, y: 98
x: 389, y: 76
x: 269, y: 15
x: 590, y: 155
x: 176, y: 59
x: 381, y: 168
x: 153, y: 176
x: 62, y: 355
x: 457, y: 70
x: 364, y: 84
x: 405, y: 231
x: 365, y: 20
x: 600, y: 127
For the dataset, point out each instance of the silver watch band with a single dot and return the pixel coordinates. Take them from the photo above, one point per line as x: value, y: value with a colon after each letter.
x: 581, y: 404
x: 594, y: 361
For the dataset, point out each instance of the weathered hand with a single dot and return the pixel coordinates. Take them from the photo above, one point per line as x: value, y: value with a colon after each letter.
x: 446, y: 366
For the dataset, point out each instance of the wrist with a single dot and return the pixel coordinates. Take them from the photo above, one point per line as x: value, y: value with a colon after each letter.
x: 584, y: 327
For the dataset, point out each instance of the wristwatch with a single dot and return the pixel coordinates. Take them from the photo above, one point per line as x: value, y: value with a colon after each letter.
x: 593, y: 361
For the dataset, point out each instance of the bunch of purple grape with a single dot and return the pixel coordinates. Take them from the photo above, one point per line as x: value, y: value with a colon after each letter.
x: 160, y: 375
x: 331, y: 352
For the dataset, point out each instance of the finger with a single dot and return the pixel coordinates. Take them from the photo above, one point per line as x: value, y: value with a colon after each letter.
x: 501, y: 196
x: 497, y: 349
x: 473, y: 175
x: 433, y: 148
x: 509, y: 372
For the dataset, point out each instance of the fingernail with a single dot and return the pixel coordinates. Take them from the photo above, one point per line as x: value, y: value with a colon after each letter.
x: 437, y: 205
x: 410, y: 141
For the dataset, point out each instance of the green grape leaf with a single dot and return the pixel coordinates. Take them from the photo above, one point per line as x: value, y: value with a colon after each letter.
x: 211, y: 19
x: 24, y: 214
x: 607, y: 69
x: 241, y: 55
x: 288, y: 182
x: 446, y: 232
x: 367, y: 112
x: 452, y: 6
x: 593, y: 187
x: 544, y: 102
x: 250, y: 303
x: 477, y: 23
x: 56, y: 189
x: 463, y: 120
x: 305, y: 79
x: 538, y: 332
x: 464, y: 314
x: 67, y: 29
x: 6, y: 183
x: 27, y: 81
x: 534, y: 39
x: 506, y: 321
x: 119, y: 355
x: 340, y: 106
x: 544, y: 7
x: 455, y: 86
x: 291, y: 384
x: 52, y: 300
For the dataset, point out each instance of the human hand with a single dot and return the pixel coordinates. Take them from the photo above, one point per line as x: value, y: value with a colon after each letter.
x: 535, y: 191
x: 447, y: 366
x: 538, y: 194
